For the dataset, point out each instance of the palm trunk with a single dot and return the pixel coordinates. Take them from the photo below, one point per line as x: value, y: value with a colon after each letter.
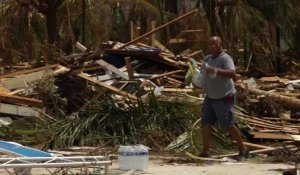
x: 289, y: 102
x: 52, y: 25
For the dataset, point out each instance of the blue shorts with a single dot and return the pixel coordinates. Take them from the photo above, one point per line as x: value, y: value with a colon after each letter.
x: 220, y: 111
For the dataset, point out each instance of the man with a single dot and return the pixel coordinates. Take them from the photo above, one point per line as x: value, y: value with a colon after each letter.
x: 218, y: 107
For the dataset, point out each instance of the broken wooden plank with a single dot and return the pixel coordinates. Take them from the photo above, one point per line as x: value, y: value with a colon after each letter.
x: 20, y: 80
x: 129, y: 68
x: 61, y: 70
x: 274, y: 79
x: 277, y: 136
x: 177, y: 40
x: 275, y: 127
x: 114, y: 76
x: 158, y: 28
x: 172, y: 61
x: 112, y: 68
x: 253, y: 146
x: 251, y: 152
x: 192, y: 31
x: 162, y: 47
x: 172, y: 89
x: 166, y: 74
x: 288, y: 102
x: 18, y: 110
x: 21, y: 100
x: 111, y: 88
x: 12, y: 74
x: 203, y: 158
x: 282, y: 119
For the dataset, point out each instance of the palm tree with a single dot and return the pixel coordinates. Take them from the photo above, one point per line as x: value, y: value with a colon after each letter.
x: 49, y: 8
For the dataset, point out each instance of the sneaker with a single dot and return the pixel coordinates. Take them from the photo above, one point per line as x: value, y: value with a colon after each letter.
x: 243, y: 155
x: 204, y: 154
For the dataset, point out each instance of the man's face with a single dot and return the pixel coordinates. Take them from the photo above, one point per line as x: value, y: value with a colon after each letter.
x: 214, y: 46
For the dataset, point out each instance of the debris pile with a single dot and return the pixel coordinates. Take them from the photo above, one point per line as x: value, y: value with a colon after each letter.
x: 268, y: 108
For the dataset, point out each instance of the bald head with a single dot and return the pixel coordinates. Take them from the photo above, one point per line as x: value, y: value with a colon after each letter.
x: 215, y: 45
x: 216, y: 39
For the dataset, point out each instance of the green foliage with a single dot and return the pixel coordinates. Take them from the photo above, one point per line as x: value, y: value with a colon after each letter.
x: 48, y: 93
x: 107, y: 122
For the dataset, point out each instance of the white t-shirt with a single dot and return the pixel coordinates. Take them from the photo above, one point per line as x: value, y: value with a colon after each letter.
x: 219, y: 86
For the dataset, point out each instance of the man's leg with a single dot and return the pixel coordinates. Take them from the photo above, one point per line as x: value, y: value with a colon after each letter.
x: 206, y: 136
x: 224, y: 109
x: 235, y: 135
x: 208, y: 118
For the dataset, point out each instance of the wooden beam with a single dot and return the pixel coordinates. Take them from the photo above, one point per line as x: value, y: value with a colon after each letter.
x: 61, y: 70
x: 106, y: 86
x: 172, y: 89
x: 159, y: 28
x: 162, y: 47
x: 288, y: 102
x: 251, y: 152
x: 203, y: 158
x: 112, y: 68
x: 268, y: 125
x: 166, y: 74
x: 192, y: 31
x: 177, y: 40
x: 253, y: 146
x: 152, y: 36
x: 21, y: 100
x: 137, y: 52
x: 129, y: 68
x: 20, y: 80
x: 10, y: 75
x: 277, y: 136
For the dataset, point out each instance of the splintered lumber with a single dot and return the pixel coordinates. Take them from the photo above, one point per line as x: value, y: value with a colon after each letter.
x: 162, y: 47
x: 251, y: 152
x: 287, y: 102
x: 273, y: 79
x: 20, y: 81
x: 111, y: 88
x: 203, y: 158
x: 10, y: 75
x: 113, y: 69
x: 21, y: 100
x: 18, y: 110
x: 158, y: 28
x: 61, y: 70
x: 172, y: 89
x: 253, y: 146
x: 277, y: 136
x: 172, y: 62
x: 295, y: 137
x: 177, y: 40
x: 129, y: 68
x: 135, y: 52
x: 166, y: 74
x: 267, y: 124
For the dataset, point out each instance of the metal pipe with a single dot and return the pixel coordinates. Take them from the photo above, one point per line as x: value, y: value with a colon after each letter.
x: 55, y: 165
x: 53, y: 158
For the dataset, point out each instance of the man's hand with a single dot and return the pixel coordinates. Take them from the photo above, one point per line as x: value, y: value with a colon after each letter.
x: 211, y: 70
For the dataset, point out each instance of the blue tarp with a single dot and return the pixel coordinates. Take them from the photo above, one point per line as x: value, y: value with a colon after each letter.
x: 17, y: 149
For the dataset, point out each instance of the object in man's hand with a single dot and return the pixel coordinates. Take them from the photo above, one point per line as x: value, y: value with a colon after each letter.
x: 198, y: 78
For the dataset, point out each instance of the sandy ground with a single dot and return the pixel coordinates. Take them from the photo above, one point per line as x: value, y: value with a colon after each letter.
x: 159, y: 167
